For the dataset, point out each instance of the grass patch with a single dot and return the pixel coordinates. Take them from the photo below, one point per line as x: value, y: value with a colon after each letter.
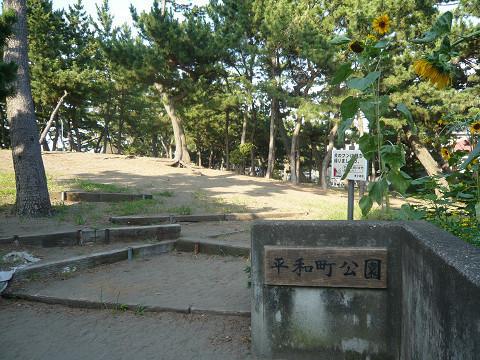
x: 142, y: 206
x: 91, y: 186
x: 166, y: 193
x: 8, y: 190
x: 181, y: 210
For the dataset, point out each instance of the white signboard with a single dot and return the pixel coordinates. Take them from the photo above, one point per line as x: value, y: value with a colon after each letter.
x: 340, y: 159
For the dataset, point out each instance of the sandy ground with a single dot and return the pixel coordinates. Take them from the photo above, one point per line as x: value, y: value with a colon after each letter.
x: 75, y: 334
x: 204, y: 190
x: 179, y: 281
x: 36, y: 331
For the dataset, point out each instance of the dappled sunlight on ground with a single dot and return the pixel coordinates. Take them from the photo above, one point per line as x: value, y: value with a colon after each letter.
x: 186, y: 190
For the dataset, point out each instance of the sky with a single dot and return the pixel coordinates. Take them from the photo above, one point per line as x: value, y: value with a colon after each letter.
x: 120, y: 8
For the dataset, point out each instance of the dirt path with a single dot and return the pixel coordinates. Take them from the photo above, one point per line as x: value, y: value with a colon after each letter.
x: 198, y: 191
x: 43, y: 332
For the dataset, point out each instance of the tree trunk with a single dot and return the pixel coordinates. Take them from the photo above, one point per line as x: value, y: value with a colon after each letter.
x: 243, y: 138
x: 155, y: 144
x: 52, y: 117
x: 45, y: 146
x: 32, y: 198
x: 273, y: 132
x: 71, y: 143
x: 199, y: 156
x: 428, y: 162
x: 244, y: 128
x: 120, y: 123
x: 328, y: 156
x: 227, y: 150
x: 210, y: 159
x: 98, y: 146
x: 294, y: 154
x: 57, y: 135
x: 181, y: 151
x: 166, y: 149
x: 252, y: 141
x: 105, y: 136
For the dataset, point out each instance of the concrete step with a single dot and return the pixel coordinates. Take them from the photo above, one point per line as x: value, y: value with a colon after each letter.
x: 178, y: 282
x: 157, y: 219
x: 83, y: 196
x: 79, y: 237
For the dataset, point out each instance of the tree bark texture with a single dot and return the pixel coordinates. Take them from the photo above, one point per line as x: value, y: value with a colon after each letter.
x: 273, y: 133
x: 52, y: 117
x: 227, y: 140
x: 328, y: 156
x: 294, y: 154
x: 121, y: 121
x: 32, y: 198
x: 181, y: 151
x: 423, y: 155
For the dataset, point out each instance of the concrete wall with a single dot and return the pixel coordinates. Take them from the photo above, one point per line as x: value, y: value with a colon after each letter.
x: 441, y: 296
x: 334, y: 323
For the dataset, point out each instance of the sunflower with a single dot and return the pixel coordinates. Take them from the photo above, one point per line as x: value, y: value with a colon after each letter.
x: 371, y: 37
x: 435, y: 74
x: 475, y: 127
x: 445, y: 154
x: 381, y: 24
x: 442, y: 122
x: 356, y: 46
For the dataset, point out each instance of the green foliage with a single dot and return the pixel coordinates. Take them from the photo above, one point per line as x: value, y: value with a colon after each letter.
x: 241, y: 154
x: 442, y: 26
x: 373, y: 105
x: 8, y: 71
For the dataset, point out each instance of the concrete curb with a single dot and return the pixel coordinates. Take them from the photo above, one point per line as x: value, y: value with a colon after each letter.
x: 213, y: 247
x: 72, y: 265
x: 80, y: 237
x: 157, y: 219
x: 88, y: 304
x: 84, y: 196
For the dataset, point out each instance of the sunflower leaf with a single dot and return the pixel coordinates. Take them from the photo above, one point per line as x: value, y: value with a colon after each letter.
x: 401, y: 107
x: 473, y: 155
x: 349, y: 107
x: 362, y: 84
x: 349, y: 166
x: 340, y: 40
x: 443, y: 25
x: 342, y: 73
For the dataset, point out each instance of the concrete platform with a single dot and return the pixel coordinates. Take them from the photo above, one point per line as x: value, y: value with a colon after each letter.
x: 180, y: 282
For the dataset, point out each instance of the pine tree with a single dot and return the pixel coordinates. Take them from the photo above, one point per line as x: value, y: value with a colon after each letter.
x: 32, y: 198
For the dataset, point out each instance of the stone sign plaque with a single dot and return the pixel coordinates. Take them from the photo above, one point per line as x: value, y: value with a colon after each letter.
x: 327, y: 266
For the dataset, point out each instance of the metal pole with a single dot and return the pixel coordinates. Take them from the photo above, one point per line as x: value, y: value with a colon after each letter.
x: 351, y: 194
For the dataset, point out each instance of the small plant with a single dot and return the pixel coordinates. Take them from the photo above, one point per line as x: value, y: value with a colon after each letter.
x: 80, y: 219
x: 140, y: 310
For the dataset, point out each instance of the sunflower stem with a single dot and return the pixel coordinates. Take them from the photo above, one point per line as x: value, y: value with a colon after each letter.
x: 466, y: 37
